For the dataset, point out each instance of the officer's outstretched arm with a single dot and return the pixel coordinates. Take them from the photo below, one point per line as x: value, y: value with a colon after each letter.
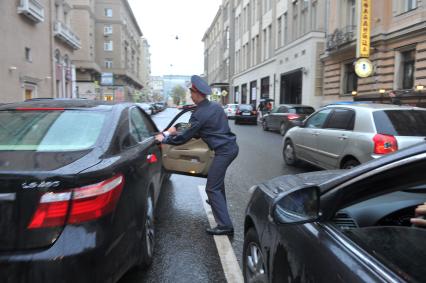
x: 186, y: 135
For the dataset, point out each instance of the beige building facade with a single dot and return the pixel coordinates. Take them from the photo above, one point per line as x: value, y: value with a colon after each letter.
x: 25, y: 62
x: 65, y: 43
x: 109, y: 64
x: 398, y: 51
x: 273, y: 47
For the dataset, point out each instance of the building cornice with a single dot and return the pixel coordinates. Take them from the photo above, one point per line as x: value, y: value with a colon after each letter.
x: 315, y: 35
x: 219, y: 12
x: 413, y: 30
x: 132, y: 16
x: 267, y: 62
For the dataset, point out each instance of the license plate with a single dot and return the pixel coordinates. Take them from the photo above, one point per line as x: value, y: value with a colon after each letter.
x: 246, y: 114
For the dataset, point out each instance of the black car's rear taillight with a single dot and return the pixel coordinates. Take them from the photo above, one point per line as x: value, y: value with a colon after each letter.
x: 85, y: 204
x: 293, y: 116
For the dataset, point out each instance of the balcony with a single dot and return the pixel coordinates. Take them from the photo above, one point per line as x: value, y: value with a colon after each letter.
x: 32, y: 9
x: 65, y: 34
x: 340, y: 37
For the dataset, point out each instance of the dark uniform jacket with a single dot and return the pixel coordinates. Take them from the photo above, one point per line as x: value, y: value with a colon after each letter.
x: 209, y: 122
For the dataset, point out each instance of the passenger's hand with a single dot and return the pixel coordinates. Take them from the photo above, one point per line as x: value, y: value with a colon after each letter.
x: 172, y: 131
x: 420, y: 211
x: 159, y: 137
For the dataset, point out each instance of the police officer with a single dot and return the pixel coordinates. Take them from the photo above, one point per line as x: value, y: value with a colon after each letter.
x: 209, y: 122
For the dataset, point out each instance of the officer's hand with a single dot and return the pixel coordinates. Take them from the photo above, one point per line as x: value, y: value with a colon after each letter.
x: 172, y: 131
x: 159, y: 137
x: 420, y: 211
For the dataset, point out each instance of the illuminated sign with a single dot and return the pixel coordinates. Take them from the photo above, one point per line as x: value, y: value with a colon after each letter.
x: 363, y: 67
x: 363, y: 41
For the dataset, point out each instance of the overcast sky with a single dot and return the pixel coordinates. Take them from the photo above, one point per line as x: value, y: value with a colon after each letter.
x: 162, y: 20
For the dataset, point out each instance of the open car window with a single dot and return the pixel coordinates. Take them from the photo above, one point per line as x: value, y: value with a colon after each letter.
x: 376, y: 217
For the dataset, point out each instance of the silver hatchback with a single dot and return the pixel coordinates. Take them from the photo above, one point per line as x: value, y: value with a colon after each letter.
x: 340, y: 136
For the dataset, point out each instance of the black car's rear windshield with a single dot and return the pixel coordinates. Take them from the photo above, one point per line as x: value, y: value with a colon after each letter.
x: 401, y: 122
x: 301, y: 110
x: 47, y: 130
x: 246, y: 107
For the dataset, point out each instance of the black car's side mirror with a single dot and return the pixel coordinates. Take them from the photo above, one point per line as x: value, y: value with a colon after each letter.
x: 298, y: 206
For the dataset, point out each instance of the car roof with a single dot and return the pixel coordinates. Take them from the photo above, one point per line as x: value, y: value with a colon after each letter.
x: 294, y: 105
x: 374, y: 106
x: 62, y: 103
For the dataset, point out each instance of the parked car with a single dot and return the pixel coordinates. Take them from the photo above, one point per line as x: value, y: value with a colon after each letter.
x: 155, y: 108
x: 282, y: 117
x: 161, y: 105
x: 80, y: 180
x: 230, y: 110
x: 146, y: 107
x: 339, y: 226
x: 245, y: 113
x: 340, y: 136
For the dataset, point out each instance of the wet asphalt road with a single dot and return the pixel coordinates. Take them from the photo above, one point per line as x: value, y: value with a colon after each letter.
x: 184, y: 252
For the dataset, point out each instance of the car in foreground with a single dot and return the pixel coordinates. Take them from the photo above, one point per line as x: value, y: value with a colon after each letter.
x: 147, y: 108
x: 283, y: 116
x: 340, y: 136
x: 230, y: 110
x: 339, y: 225
x: 80, y: 181
x: 245, y: 113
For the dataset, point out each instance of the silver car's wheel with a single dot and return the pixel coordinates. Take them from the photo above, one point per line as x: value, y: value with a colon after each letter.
x: 289, y: 154
x: 349, y: 164
x: 254, y: 262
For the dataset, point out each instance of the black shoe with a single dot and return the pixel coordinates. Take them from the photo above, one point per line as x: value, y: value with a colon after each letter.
x: 220, y: 230
x: 208, y: 202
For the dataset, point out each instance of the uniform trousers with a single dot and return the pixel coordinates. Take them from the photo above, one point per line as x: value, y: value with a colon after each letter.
x: 215, y: 188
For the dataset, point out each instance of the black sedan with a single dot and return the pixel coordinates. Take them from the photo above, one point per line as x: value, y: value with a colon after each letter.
x: 245, y: 113
x: 282, y: 117
x: 339, y: 226
x: 80, y: 180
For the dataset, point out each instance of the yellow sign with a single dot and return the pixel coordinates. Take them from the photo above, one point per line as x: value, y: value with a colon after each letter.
x: 363, y: 44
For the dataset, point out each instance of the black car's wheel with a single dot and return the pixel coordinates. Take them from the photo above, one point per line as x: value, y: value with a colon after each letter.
x: 350, y: 163
x: 254, y: 267
x: 264, y: 125
x: 289, y: 154
x: 148, y: 234
x: 283, y: 129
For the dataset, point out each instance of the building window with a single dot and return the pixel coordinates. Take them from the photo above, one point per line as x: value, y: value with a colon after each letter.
x: 407, y: 61
x: 28, y: 54
x: 410, y: 5
x: 279, y: 32
x: 108, y: 30
x: 264, y: 87
x: 270, y: 47
x: 244, y: 93
x: 108, y: 63
x: 264, y: 46
x: 350, y: 79
x: 352, y: 20
x: 253, y: 12
x: 314, y: 16
x: 108, y: 45
x: 108, y: 12
x: 285, y: 28
x: 294, y: 23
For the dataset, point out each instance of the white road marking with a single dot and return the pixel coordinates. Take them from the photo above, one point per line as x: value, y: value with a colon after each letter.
x: 227, y: 256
